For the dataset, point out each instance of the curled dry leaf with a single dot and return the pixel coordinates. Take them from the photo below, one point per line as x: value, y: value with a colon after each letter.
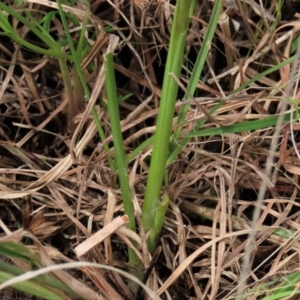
x: 146, y: 5
x: 40, y: 227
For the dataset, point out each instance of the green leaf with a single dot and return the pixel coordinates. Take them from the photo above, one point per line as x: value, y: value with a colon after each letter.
x: 243, y: 126
x: 31, y: 288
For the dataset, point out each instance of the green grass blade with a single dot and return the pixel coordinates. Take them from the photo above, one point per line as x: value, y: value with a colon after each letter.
x: 244, y: 126
x: 19, y: 251
x: 37, y: 30
x: 46, y: 280
x: 264, y: 74
x: 288, y: 288
x: 139, y: 148
x: 73, y: 51
x: 114, y: 116
x: 31, y: 288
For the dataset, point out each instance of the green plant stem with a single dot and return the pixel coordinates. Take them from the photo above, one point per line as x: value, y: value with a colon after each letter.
x: 114, y: 116
x: 166, y: 113
x: 158, y: 221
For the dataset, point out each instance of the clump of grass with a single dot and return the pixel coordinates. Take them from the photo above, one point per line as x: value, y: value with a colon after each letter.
x: 168, y: 180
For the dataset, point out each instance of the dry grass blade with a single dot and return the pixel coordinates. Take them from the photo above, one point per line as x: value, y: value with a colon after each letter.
x: 100, y: 235
x: 190, y: 259
x: 81, y: 289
